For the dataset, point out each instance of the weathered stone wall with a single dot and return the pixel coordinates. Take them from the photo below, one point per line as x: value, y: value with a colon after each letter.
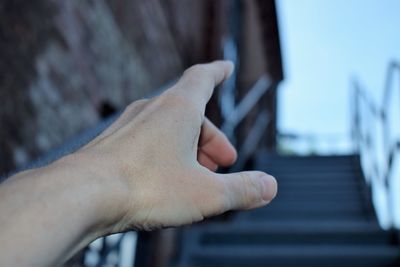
x: 64, y: 64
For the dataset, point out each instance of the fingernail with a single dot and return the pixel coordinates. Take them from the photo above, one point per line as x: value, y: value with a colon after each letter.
x: 270, y: 187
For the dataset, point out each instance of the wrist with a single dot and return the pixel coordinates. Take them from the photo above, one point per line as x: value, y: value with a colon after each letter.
x: 98, y: 190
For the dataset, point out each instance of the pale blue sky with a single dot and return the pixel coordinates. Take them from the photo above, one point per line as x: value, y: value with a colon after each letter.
x: 324, y: 44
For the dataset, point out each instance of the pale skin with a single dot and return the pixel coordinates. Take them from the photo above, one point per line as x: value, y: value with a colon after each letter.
x: 152, y: 168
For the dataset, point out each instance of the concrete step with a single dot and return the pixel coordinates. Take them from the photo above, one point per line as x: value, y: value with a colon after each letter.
x: 315, y: 177
x: 263, y: 156
x: 294, y: 255
x: 281, y: 201
x: 279, y: 164
x: 307, y: 169
x: 279, y: 205
x: 253, y: 234
x: 320, y: 193
x: 315, y: 186
x: 279, y: 215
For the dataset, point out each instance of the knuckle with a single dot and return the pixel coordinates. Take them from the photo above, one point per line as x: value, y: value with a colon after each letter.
x: 251, y: 190
x: 223, y: 202
x: 195, y: 69
x: 179, y: 102
x: 219, y: 196
x: 176, y: 100
x: 134, y: 106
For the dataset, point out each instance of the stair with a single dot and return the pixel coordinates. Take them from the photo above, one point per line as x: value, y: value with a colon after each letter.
x: 322, y: 216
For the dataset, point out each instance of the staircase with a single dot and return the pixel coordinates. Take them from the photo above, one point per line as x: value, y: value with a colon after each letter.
x: 322, y: 216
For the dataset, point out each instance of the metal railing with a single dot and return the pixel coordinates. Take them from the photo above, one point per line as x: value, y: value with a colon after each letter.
x: 303, y: 143
x: 378, y: 149
x: 239, y: 112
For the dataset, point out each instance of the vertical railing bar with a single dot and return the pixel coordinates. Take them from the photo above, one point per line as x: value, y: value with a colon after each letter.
x: 227, y: 92
x: 252, y: 140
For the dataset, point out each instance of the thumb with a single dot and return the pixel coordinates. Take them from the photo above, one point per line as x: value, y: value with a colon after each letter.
x: 249, y: 189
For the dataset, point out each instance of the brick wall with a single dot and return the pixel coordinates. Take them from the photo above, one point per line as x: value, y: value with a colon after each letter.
x: 65, y: 63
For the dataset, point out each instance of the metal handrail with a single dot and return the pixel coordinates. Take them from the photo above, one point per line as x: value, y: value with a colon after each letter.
x: 366, y: 111
x: 310, y: 143
x: 239, y: 112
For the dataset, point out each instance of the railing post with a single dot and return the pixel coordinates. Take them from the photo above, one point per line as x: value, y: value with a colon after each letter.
x: 356, y: 131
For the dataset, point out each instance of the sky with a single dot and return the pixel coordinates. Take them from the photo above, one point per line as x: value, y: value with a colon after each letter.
x: 325, y: 44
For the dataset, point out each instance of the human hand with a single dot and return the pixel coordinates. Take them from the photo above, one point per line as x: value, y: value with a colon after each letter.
x: 156, y: 163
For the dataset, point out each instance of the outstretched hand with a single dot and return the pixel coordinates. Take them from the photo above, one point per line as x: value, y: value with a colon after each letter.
x: 154, y: 167
x: 163, y: 153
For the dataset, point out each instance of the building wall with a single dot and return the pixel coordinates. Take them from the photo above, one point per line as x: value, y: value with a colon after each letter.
x: 65, y: 64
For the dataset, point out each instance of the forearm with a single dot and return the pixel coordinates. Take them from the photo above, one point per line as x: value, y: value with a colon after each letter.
x: 48, y: 212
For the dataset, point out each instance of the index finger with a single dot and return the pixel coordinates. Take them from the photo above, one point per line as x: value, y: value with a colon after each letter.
x: 198, y: 82
x: 216, y: 145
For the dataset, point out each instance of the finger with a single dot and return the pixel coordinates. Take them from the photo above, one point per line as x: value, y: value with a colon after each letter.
x: 216, y: 145
x: 198, y: 82
x: 206, y: 161
x: 247, y: 190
